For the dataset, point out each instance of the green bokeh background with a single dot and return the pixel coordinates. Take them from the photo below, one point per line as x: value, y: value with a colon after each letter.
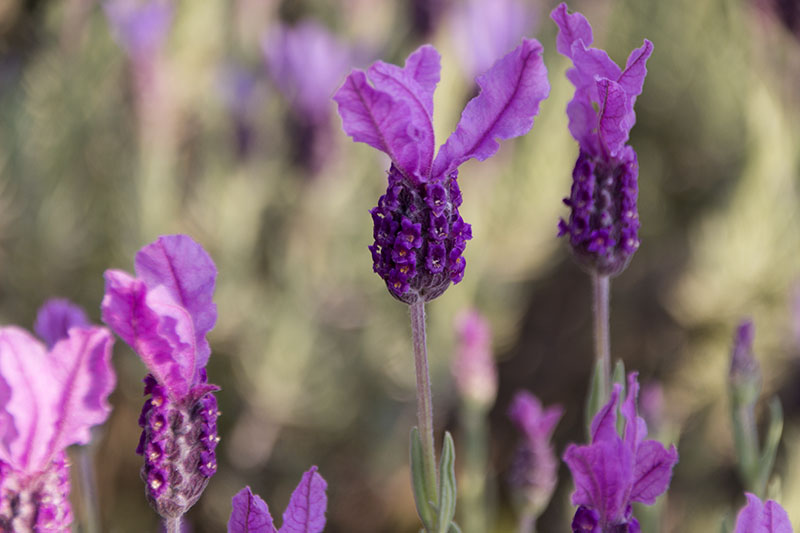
x: 312, y: 354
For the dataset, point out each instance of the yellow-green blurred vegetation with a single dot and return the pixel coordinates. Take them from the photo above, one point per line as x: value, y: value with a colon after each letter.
x: 312, y: 354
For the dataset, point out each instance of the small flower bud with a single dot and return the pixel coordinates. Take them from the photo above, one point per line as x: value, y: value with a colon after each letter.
x: 473, y: 365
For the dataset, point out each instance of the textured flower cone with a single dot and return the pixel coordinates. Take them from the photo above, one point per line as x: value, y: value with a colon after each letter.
x: 178, y: 442
x: 419, y: 237
x: 534, y: 475
x: 37, y: 503
x: 603, y: 226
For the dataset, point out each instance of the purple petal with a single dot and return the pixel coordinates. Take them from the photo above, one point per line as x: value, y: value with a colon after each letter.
x: 602, y: 473
x: 604, y: 423
x: 186, y: 270
x: 635, y: 426
x: 632, y: 78
x: 590, y: 64
x: 379, y: 120
x: 306, y: 510
x: 616, y: 115
x: 424, y: 66
x: 55, y: 318
x: 528, y: 415
x: 28, y: 394
x: 250, y: 514
x: 153, y: 325
x: 756, y: 517
x: 571, y: 28
x: 81, y: 365
x: 653, y: 471
x: 509, y: 99
x: 140, y: 28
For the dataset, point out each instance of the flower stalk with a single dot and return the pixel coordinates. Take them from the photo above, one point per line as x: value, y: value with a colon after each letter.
x: 602, y: 338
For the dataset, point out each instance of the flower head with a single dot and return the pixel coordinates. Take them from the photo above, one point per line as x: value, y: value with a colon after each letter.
x: 164, y: 314
x: 614, y: 471
x: 757, y: 517
x: 304, y: 514
x: 473, y: 365
x: 534, y: 471
x: 49, y: 399
x: 419, y: 234
x: 604, y: 223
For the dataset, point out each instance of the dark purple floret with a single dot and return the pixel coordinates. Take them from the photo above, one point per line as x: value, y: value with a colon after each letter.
x: 178, y: 443
x: 36, y: 503
x: 603, y: 226
x: 586, y: 521
x: 419, y: 237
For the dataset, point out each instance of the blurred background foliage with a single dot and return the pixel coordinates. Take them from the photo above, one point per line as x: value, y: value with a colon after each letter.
x: 212, y: 129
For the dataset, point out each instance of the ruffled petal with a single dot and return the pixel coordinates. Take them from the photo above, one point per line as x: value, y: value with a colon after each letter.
x: 616, y: 115
x: 756, y: 517
x: 250, y: 514
x: 571, y: 28
x: 424, y: 66
x: 604, y: 423
x: 509, y: 100
x: 306, y: 510
x: 632, y: 78
x: 376, y: 118
x: 653, y: 471
x: 81, y: 366
x: 165, y: 343
x: 28, y: 394
x: 185, y: 269
x: 55, y: 318
x: 635, y: 426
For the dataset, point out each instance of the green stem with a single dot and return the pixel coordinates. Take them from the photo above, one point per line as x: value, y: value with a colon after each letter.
x: 602, y: 343
x: 424, y: 397
x: 472, y: 490
x: 85, y: 456
x: 527, y: 523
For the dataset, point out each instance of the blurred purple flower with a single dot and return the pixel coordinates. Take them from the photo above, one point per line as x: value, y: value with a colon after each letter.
x: 304, y: 514
x: 239, y: 91
x: 56, y: 317
x: 613, y: 472
x: 473, y: 365
x: 534, y: 470
x: 651, y: 405
x: 140, y: 27
x: 744, y: 368
x: 49, y: 399
x: 604, y: 222
x: 419, y: 233
x: 164, y: 314
x: 484, y: 31
x: 757, y: 517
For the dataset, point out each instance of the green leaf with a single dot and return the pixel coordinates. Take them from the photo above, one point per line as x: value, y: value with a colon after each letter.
x: 447, y: 485
x: 421, y: 497
x: 454, y: 528
x: 773, y: 438
x: 593, y: 399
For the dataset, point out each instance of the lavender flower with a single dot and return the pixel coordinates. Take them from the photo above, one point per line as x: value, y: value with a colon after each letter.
x: 419, y: 234
x: 484, y: 31
x: 139, y: 27
x: 49, y: 399
x: 305, y: 513
x: 757, y: 517
x: 534, y: 471
x: 473, y: 365
x: 613, y: 472
x: 604, y: 222
x: 164, y: 314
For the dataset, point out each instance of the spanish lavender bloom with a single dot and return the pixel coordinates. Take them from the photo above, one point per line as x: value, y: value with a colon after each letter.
x: 613, y: 472
x: 534, y: 471
x: 484, y: 31
x: 304, y: 514
x: 49, y: 399
x: 757, y: 517
x: 603, y: 226
x: 473, y: 365
x: 419, y: 234
x: 164, y: 314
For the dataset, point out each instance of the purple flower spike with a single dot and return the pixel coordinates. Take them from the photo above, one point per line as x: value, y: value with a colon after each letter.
x: 391, y: 109
x: 304, y: 514
x: 534, y: 471
x: 55, y: 318
x: 614, y: 471
x: 768, y: 517
x: 603, y: 227
x: 164, y: 314
x: 473, y: 365
x: 49, y: 400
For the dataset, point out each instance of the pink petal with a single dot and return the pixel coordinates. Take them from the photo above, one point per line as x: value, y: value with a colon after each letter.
x: 509, y: 100
x: 250, y: 514
x: 186, y: 270
x: 306, y: 510
x: 571, y: 28
x: 379, y: 120
x: 653, y: 471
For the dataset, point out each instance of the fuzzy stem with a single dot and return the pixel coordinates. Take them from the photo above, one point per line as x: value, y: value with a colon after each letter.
x: 424, y: 397
x: 87, y: 477
x: 173, y: 524
x: 602, y: 343
x: 527, y: 522
x: 472, y: 484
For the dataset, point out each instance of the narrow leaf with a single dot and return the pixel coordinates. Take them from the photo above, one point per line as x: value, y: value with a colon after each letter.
x: 447, y: 485
x: 418, y: 485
